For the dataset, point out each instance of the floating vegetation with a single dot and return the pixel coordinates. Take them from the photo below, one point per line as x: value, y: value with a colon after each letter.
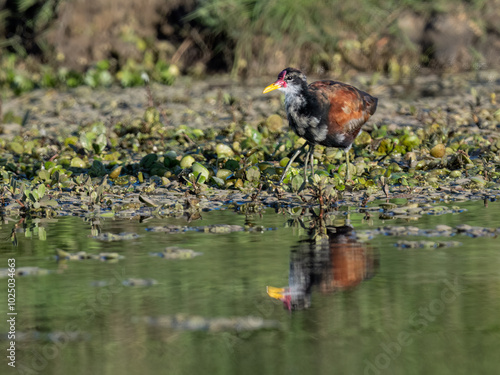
x: 426, y: 244
x: 215, y: 228
x: 126, y: 282
x: 25, y: 271
x: 439, y: 231
x: 123, y: 160
x: 174, y: 252
x: 110, y: 237
x: 82, y: 255
x: 55, y: 336
x: 139, y: 282
x: 200, y: 323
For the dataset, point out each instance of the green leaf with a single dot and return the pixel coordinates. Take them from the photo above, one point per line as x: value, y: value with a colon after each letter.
x: 218, y: 181
x: 148, y: 161
x: 77, y: 163
x: 33, y: 196
x: 297, y: 182
x: 44, y: 175
x: 41, y: 190
x: 97, y: 169
x: 200, y: 169
x: 253, y: 174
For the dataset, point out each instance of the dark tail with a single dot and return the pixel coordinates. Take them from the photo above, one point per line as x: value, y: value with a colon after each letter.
x: 371, y: 103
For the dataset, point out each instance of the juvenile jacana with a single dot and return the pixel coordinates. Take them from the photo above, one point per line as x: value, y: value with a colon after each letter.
x: 326, y: 113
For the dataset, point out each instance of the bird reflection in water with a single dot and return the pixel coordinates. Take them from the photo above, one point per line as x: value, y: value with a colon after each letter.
x: 330, y: 260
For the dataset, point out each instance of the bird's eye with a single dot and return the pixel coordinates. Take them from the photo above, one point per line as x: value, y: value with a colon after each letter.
x: 288, y: 78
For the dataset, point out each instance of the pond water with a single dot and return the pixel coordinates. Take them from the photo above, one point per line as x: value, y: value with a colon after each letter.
x: 352, y: 304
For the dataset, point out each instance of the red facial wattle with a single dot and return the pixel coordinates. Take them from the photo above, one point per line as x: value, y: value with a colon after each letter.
x: 278, y: 84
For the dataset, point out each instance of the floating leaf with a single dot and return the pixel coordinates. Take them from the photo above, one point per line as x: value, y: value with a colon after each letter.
x: 187, y: 161
x: 200, y: 169
x: 76, y: 162
x: 253, y: 174
x: 148, y: 161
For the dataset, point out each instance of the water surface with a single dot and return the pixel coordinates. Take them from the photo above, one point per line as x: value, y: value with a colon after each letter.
x: 372, y: 308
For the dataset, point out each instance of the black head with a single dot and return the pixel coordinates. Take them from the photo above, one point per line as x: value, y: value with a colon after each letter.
x: 289, y: 80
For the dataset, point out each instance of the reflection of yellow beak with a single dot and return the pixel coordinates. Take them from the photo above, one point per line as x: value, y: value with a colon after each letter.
x: 271, y: 87
x: 271, y: 290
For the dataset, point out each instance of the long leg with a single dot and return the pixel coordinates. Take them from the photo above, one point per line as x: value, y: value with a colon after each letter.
x: 306, y: 164
x: 347, y: 177
x: 291, y: 161
x: 311, y: 151
x: 309, y: 160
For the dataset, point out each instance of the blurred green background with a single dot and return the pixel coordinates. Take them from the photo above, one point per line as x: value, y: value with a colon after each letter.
x: 101, y: 42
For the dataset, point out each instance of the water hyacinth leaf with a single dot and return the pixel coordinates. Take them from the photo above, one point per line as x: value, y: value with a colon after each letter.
x: 33, y: 196
x: 97, y: 169
x: 44, y: 175
x: 187, y: 161
x: 86, y: 140
x: 76, y: 162
x: 200, y: 169
x: 411, y: 141
x: 223, y: 174
x: 41, y: 190
x: 105, y: 78
x: 197, y: 133
x: 232, y: 165
x: 223, y: 150
x: 218, y: 181
x: 49, y: 164
x: 148, y: 161
x: 17, y: 148
x: 363, y: 139
x: 115, y: 173
x: 170, y: 159
x: 297, y: 182
x: 438, y: 151
x: 284, y: 162
x: 253, y: 174
x: 253, y: 158
x: 274, y: 123
x: 100, y: 143
x: 478, y: 180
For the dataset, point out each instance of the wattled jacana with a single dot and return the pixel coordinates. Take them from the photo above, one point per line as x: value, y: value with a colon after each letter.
x: 326, y: 113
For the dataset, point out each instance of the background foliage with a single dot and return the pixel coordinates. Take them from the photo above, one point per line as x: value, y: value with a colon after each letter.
x: 97, y: 42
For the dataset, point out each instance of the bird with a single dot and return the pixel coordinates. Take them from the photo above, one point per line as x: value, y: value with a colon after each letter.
x: 337, y: 263
x: 327, y: 113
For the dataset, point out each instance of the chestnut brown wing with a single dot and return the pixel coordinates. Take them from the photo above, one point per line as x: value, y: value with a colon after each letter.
x: 348, y: 108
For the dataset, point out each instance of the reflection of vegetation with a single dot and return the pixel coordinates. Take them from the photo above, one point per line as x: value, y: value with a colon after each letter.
x: 230, y: 279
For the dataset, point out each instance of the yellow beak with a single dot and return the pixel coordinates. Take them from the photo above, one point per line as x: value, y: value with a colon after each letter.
x: 271, y: 87
x: 275, y: 292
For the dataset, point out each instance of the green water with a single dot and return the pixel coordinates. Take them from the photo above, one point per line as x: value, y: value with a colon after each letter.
x: 421, y: 311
